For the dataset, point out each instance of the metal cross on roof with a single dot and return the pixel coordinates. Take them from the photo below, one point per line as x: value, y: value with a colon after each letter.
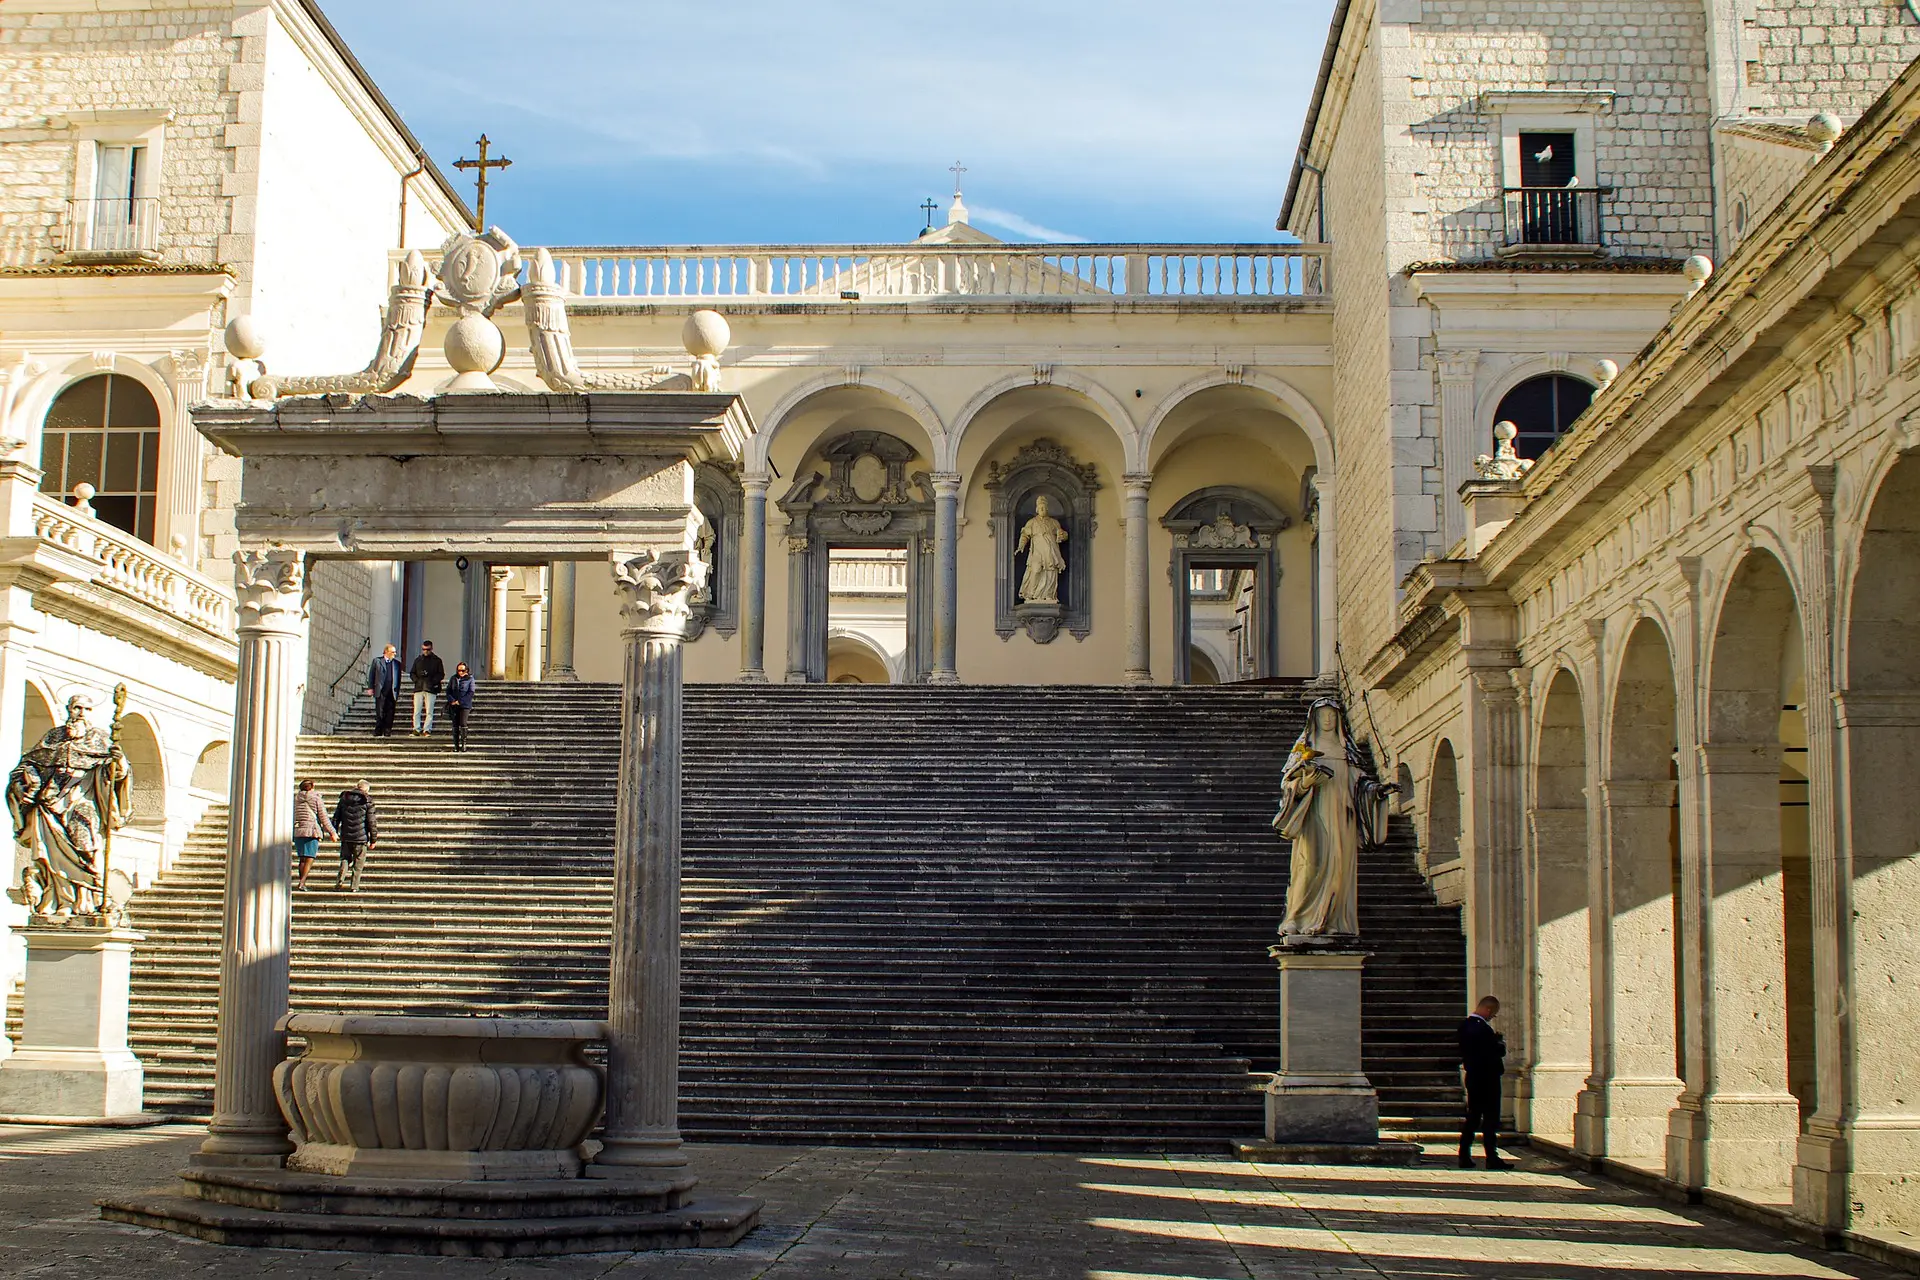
x: 482, y: 164
x: 930, y: 207
x: 956, y: 169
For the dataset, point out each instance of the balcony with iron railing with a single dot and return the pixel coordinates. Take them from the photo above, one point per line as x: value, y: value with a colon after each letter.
x: 1142, y: 274
x: 1552, y: 221
x: 113, y: 230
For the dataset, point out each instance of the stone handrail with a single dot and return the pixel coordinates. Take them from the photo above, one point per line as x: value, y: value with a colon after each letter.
x: 797, y: 274
x: 132, y: 568
x: 877, y: 575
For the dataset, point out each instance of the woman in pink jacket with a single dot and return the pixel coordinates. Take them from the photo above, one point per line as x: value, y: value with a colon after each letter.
x: 310, y: 822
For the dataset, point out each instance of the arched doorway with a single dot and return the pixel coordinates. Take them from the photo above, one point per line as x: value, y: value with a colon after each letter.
x: 1758, y: 943
x: 857, y: 496
x: 104, y: 431
x: 1562, y: 943
x: 1637, y: 1050
x: 1879, y: 722
x: 854, y: 660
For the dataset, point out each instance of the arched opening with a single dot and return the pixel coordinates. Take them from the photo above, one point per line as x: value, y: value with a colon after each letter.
x: 104, y: 431
x: 1543, y: 408
x: 142, y: 748
x: 1200, y: 668
x: 1443, y: 810
x: 1226, y: 580
x: 1879, y: 722
x: 855, y: 660
x: 212, y: 772
x: 1563, y: 956
x: 1639, y: 1057
x: 38, y: 719
x: 1758, y: 927
x: 1403, y: 779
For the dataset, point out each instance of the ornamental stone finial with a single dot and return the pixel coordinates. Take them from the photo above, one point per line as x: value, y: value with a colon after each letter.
x: 1503, y: 463
x: 1698, y: 270
x: 656, y: 590
x: 270, y: 587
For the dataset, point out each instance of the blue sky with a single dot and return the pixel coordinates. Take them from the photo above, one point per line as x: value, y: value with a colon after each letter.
x: 751, y: 121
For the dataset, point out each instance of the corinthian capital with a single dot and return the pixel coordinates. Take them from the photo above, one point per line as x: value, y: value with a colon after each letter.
x: 270, y: 587
x: 656, y: 590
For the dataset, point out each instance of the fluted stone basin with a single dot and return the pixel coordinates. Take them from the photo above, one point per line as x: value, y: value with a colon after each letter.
x: 440, y: 1098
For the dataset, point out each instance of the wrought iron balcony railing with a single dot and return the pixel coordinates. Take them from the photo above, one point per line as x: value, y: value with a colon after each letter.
x: 1548, y: 219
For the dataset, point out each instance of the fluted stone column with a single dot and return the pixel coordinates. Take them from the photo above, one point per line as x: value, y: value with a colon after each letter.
x: 946, y: 577
x: 537, y: 623
x: 560, y: 650
x: 753, y: 582
x: 643, y: 1000
x: 248, y: 1129
x: 1139, y: 668
x: 498, y: 578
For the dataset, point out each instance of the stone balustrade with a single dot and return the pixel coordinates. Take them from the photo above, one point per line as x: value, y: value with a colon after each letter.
x: 129, y: 567
x: 881, y: 573
x: 484, y: 1099
x: 801, y: 274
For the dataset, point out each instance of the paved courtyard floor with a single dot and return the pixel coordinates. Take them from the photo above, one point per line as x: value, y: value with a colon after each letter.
x: 866, y: 1214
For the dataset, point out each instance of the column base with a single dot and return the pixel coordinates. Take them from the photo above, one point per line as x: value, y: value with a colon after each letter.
x: 943, y: 677
x: 1626, y: 1119
x: 1136, y: 677
x: 1820, y: 1179
x: 240, y: 1149
x: 560, y: 675
x: 1741, y: 1143
x: 753, y: 677
x: 1552, y: 1101
x: 1883, y: 1150
x: 629, y: 1158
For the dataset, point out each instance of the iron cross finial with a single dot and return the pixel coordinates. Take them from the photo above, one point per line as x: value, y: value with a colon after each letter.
x: 957, y: 170
x: 482, y: 164
x: 930, y: 207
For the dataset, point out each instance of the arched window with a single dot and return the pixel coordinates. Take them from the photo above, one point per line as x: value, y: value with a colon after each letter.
x: 105, y: 431
x: 1543, y: 408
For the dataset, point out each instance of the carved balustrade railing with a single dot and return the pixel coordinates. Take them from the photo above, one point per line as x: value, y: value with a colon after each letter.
x: 133, y: 569
x: 867, y: 575
x: 800, y: 274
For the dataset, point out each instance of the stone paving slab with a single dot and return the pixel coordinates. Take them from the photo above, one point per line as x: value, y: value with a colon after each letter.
x: 969, y: 1215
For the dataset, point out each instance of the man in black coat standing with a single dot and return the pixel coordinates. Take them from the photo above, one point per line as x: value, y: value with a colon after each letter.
x: 1483, y: 1059
x: 428, y: 673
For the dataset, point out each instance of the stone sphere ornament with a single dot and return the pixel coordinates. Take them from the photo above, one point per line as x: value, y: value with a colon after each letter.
x: 1822, y: 129
x: 1698, y: 270
x: 705, y: 334
x: 243, y: 338
x: 474, y: 348
x: 1605, y: 371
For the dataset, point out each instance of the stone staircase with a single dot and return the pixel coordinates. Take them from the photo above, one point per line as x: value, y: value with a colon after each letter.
x: 985, y: 916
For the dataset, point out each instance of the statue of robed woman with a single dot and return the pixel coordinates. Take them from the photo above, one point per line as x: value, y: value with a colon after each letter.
x: 1330, y: 808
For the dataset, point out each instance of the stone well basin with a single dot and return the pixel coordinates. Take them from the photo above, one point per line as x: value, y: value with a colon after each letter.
x: 440, y: 1098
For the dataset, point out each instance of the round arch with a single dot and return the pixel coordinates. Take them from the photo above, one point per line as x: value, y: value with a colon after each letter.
x: 212, y: 768
x: 911, y: 402
x: 1103, y: 403
x: 1290, y: 402
x: 854, y: 658
x: 39, y: 716
x: 1526, y: 369
x: 140, y: 740
x: 1561, y: 919
x: 1442, y: 808
x: 39, y: 395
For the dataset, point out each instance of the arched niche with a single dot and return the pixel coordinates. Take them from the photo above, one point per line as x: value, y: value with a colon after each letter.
x: 717, y: 495
x: 1042, y: 469
x: 213, y: 770
x: 1223, y: 527
x: 856, y: 493
x: 142, y: 747
x: 1443, y: 809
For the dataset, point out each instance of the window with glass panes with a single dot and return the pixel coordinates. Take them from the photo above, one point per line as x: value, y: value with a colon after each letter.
x: 105, y: 431
x: 1543, y: 408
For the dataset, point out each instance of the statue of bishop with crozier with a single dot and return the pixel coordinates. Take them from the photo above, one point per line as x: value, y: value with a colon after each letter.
x: 1330, y: 808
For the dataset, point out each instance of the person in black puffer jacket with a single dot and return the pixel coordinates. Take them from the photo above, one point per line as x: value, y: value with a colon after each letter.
x: 354, y: 819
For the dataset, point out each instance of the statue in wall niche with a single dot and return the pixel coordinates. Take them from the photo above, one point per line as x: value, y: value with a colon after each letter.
x: 67, y: 797
x: 1330, y: 808
x: 1041, y: 538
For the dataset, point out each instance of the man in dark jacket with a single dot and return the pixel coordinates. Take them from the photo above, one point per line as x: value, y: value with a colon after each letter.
x: 383, y: 686
x: 354, y: 820
x: 1483, y: 1059
x: 428, y: 673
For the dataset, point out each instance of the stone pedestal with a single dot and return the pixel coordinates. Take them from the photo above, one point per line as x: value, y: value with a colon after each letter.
x: 72, y: 1062
x: 1321, y: 1107
x: 1042, y: 621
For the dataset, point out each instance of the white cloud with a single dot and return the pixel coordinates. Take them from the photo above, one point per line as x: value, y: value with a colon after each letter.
x: 1022, y: 227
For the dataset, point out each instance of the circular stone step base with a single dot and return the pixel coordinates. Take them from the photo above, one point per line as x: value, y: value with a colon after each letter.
x: 448, y: 1219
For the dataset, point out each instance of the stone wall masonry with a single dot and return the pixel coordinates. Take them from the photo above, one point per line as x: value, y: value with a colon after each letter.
x: 1356, y: 201
x: 340, y: 618
x: 57, y: 65
x: 1804, y: 57
x: 1650, y: 148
